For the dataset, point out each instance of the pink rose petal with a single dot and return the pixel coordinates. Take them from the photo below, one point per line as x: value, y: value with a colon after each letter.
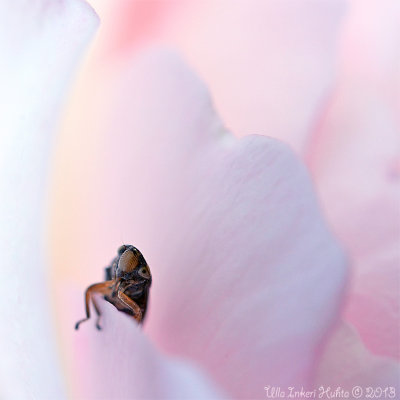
x: 354, y: 159
x: 41, y: 42
x: 269, y: 65
x: 247, y: 280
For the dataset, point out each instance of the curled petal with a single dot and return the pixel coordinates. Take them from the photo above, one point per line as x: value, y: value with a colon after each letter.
x: 247, y: 281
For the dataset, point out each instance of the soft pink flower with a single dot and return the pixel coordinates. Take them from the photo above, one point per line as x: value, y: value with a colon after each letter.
x: 249, y: 284
x: 323, y: 77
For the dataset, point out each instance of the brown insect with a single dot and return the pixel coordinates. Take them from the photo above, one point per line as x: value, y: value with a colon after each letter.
x: 127, y: 285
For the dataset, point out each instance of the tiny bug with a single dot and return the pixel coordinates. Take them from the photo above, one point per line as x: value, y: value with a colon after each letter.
x: 127, y: 285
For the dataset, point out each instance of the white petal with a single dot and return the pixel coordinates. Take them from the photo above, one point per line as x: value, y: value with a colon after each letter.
x: 41, y: 41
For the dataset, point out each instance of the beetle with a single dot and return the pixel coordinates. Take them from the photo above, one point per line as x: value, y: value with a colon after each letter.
x: 127, y: 285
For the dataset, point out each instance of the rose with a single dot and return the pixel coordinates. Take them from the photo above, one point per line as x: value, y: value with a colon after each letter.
x: 239, y: 183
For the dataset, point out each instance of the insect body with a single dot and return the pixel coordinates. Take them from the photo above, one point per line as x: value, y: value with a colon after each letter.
x: 127, y: 285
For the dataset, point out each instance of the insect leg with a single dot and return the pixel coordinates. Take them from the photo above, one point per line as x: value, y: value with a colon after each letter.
x: 96, y: 307
x: 128, y: 302
x: 100, y: 288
